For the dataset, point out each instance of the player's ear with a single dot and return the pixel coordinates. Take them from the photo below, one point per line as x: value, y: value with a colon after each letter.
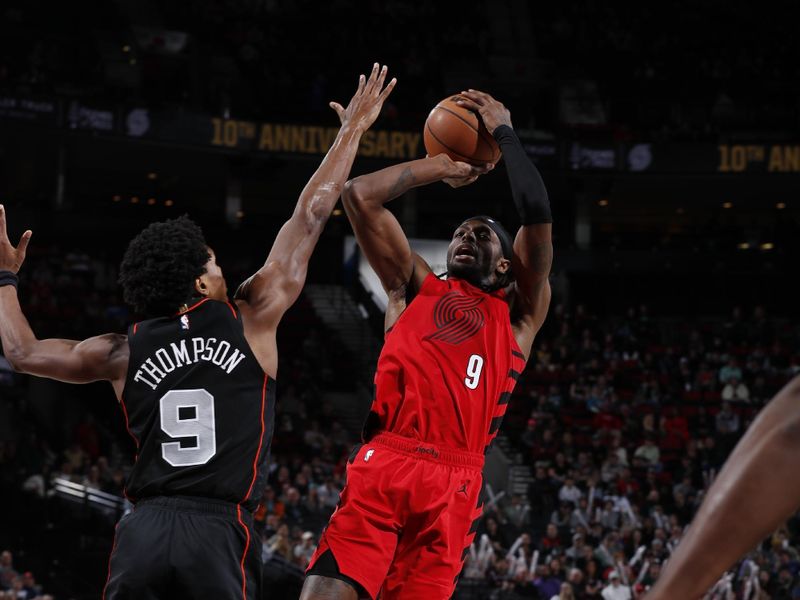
x: 200, y: 286
x: 503, y: 266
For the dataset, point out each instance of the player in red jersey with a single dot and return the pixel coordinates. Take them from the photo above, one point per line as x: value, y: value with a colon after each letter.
x: 451, y: 358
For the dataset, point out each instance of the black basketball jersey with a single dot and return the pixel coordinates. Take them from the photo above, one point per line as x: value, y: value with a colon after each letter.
x: 199, y: 407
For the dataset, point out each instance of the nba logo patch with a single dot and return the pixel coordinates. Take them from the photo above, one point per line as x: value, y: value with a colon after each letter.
x: 185, y: 322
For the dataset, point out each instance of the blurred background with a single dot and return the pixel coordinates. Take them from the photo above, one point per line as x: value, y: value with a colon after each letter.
x: 667, y: 135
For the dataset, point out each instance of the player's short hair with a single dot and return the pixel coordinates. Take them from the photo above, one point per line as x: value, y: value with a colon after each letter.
x: 160, y: 266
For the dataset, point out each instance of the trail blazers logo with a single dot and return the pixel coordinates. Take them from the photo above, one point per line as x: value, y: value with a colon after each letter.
x: 457, y: 318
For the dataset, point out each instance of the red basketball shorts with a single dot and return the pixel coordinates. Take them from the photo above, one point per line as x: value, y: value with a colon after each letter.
x: 406, y: 518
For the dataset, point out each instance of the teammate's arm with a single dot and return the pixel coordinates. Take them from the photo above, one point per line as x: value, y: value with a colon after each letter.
x: 99, y: 358
x: 377, y: 230
x: 756, y: 490
x: 533, y: 244
x: 266, y: 296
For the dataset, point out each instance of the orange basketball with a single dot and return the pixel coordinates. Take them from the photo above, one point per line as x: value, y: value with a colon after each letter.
x: 459, y: 133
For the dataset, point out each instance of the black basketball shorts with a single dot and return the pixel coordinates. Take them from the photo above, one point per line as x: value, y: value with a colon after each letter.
x: 180, y: 547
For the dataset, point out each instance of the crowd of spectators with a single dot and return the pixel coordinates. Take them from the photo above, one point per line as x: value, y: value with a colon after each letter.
x: 624, y: 422
x: 15, y: 585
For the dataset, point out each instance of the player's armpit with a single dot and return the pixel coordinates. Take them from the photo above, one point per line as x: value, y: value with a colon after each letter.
x: 267, y: 294
x: 100, y: 358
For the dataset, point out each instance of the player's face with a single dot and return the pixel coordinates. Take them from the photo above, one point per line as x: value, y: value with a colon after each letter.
x: 213, y: 280
x: 474, y: 253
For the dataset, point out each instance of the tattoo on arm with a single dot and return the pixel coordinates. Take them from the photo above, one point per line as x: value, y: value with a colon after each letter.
x: 403, y: 183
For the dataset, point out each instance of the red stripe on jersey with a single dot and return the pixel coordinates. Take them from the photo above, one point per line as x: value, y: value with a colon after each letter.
x: 244, y: 554
x: 192, y: 307
x: 233, y: 310
x: 260, y: 441
x: 135, y: 327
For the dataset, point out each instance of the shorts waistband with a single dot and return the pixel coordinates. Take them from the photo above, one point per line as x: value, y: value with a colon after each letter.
x: 207, y: 505
x: 431, y: 452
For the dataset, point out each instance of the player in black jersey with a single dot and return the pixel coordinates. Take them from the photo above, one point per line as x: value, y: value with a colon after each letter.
x: 195, y: 381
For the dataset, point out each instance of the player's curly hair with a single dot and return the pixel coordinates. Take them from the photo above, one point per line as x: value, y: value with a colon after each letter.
x: 160, y: 266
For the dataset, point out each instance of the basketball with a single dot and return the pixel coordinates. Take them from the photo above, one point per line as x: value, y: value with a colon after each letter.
x: 459, y: 133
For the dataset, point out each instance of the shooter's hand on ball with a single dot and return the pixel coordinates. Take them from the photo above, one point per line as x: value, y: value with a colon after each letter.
x: 492, y: 111
x: 11, y: 258
x: 365, y: 106
x: 461, y: 173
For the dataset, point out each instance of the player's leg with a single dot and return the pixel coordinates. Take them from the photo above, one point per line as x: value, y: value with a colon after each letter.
x: 318, y: 587
x: 138, y: 567
x: 431, y: 554
x: 216, y: 553
x: 358, y: 544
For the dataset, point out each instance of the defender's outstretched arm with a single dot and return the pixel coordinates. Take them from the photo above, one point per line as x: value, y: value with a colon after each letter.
x: 266, y: 296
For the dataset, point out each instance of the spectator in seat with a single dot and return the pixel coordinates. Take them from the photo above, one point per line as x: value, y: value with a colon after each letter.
x: 550, y: 541
x: 305, y: 549
x: 648, y: 454
x: 577, y: 549
x: 593, y: 586
x: 296, y: 510
x: 280, y: 543
x: 727, y: 421
x: 517, y: 512
x: 569, y: 492
x: 7, y: 572
x: 626, y: 484
x: 735, y: 391
x: 611, y: 468
x: 546, y: 583
x: 565, y: 593
x: 615, y: 590
x: 729, y: 371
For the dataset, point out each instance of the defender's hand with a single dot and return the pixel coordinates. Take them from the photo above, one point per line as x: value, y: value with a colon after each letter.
x: 491, y: 111
x: 11, y: 258
x: 459, y: 174
x: 365, y: 106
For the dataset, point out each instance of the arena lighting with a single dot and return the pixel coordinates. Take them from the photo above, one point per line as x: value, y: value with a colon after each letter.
x: 337, y: 212
x: 780, y: 205
x: 151, y: 201
x: 116, y: 198
x: 681, y: 211
x: 87, y: 494
x: 168, y: 203
x: 135, y: 200
x: 132, y: 61
x: 727, y: 205
x: 239, y: 214
x: 126, y: 48
x: 767, y: 246
x: 743, y: 246
x: 603, y: 203
x: 152, y: 175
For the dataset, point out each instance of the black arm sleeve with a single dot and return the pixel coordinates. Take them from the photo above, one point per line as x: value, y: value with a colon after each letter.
x: 527, y: 187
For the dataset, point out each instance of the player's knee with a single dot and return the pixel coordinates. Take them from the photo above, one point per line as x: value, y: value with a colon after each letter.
x: 317, y: 587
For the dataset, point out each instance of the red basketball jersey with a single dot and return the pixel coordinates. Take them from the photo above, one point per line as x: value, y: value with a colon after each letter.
x: 447, y: 368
